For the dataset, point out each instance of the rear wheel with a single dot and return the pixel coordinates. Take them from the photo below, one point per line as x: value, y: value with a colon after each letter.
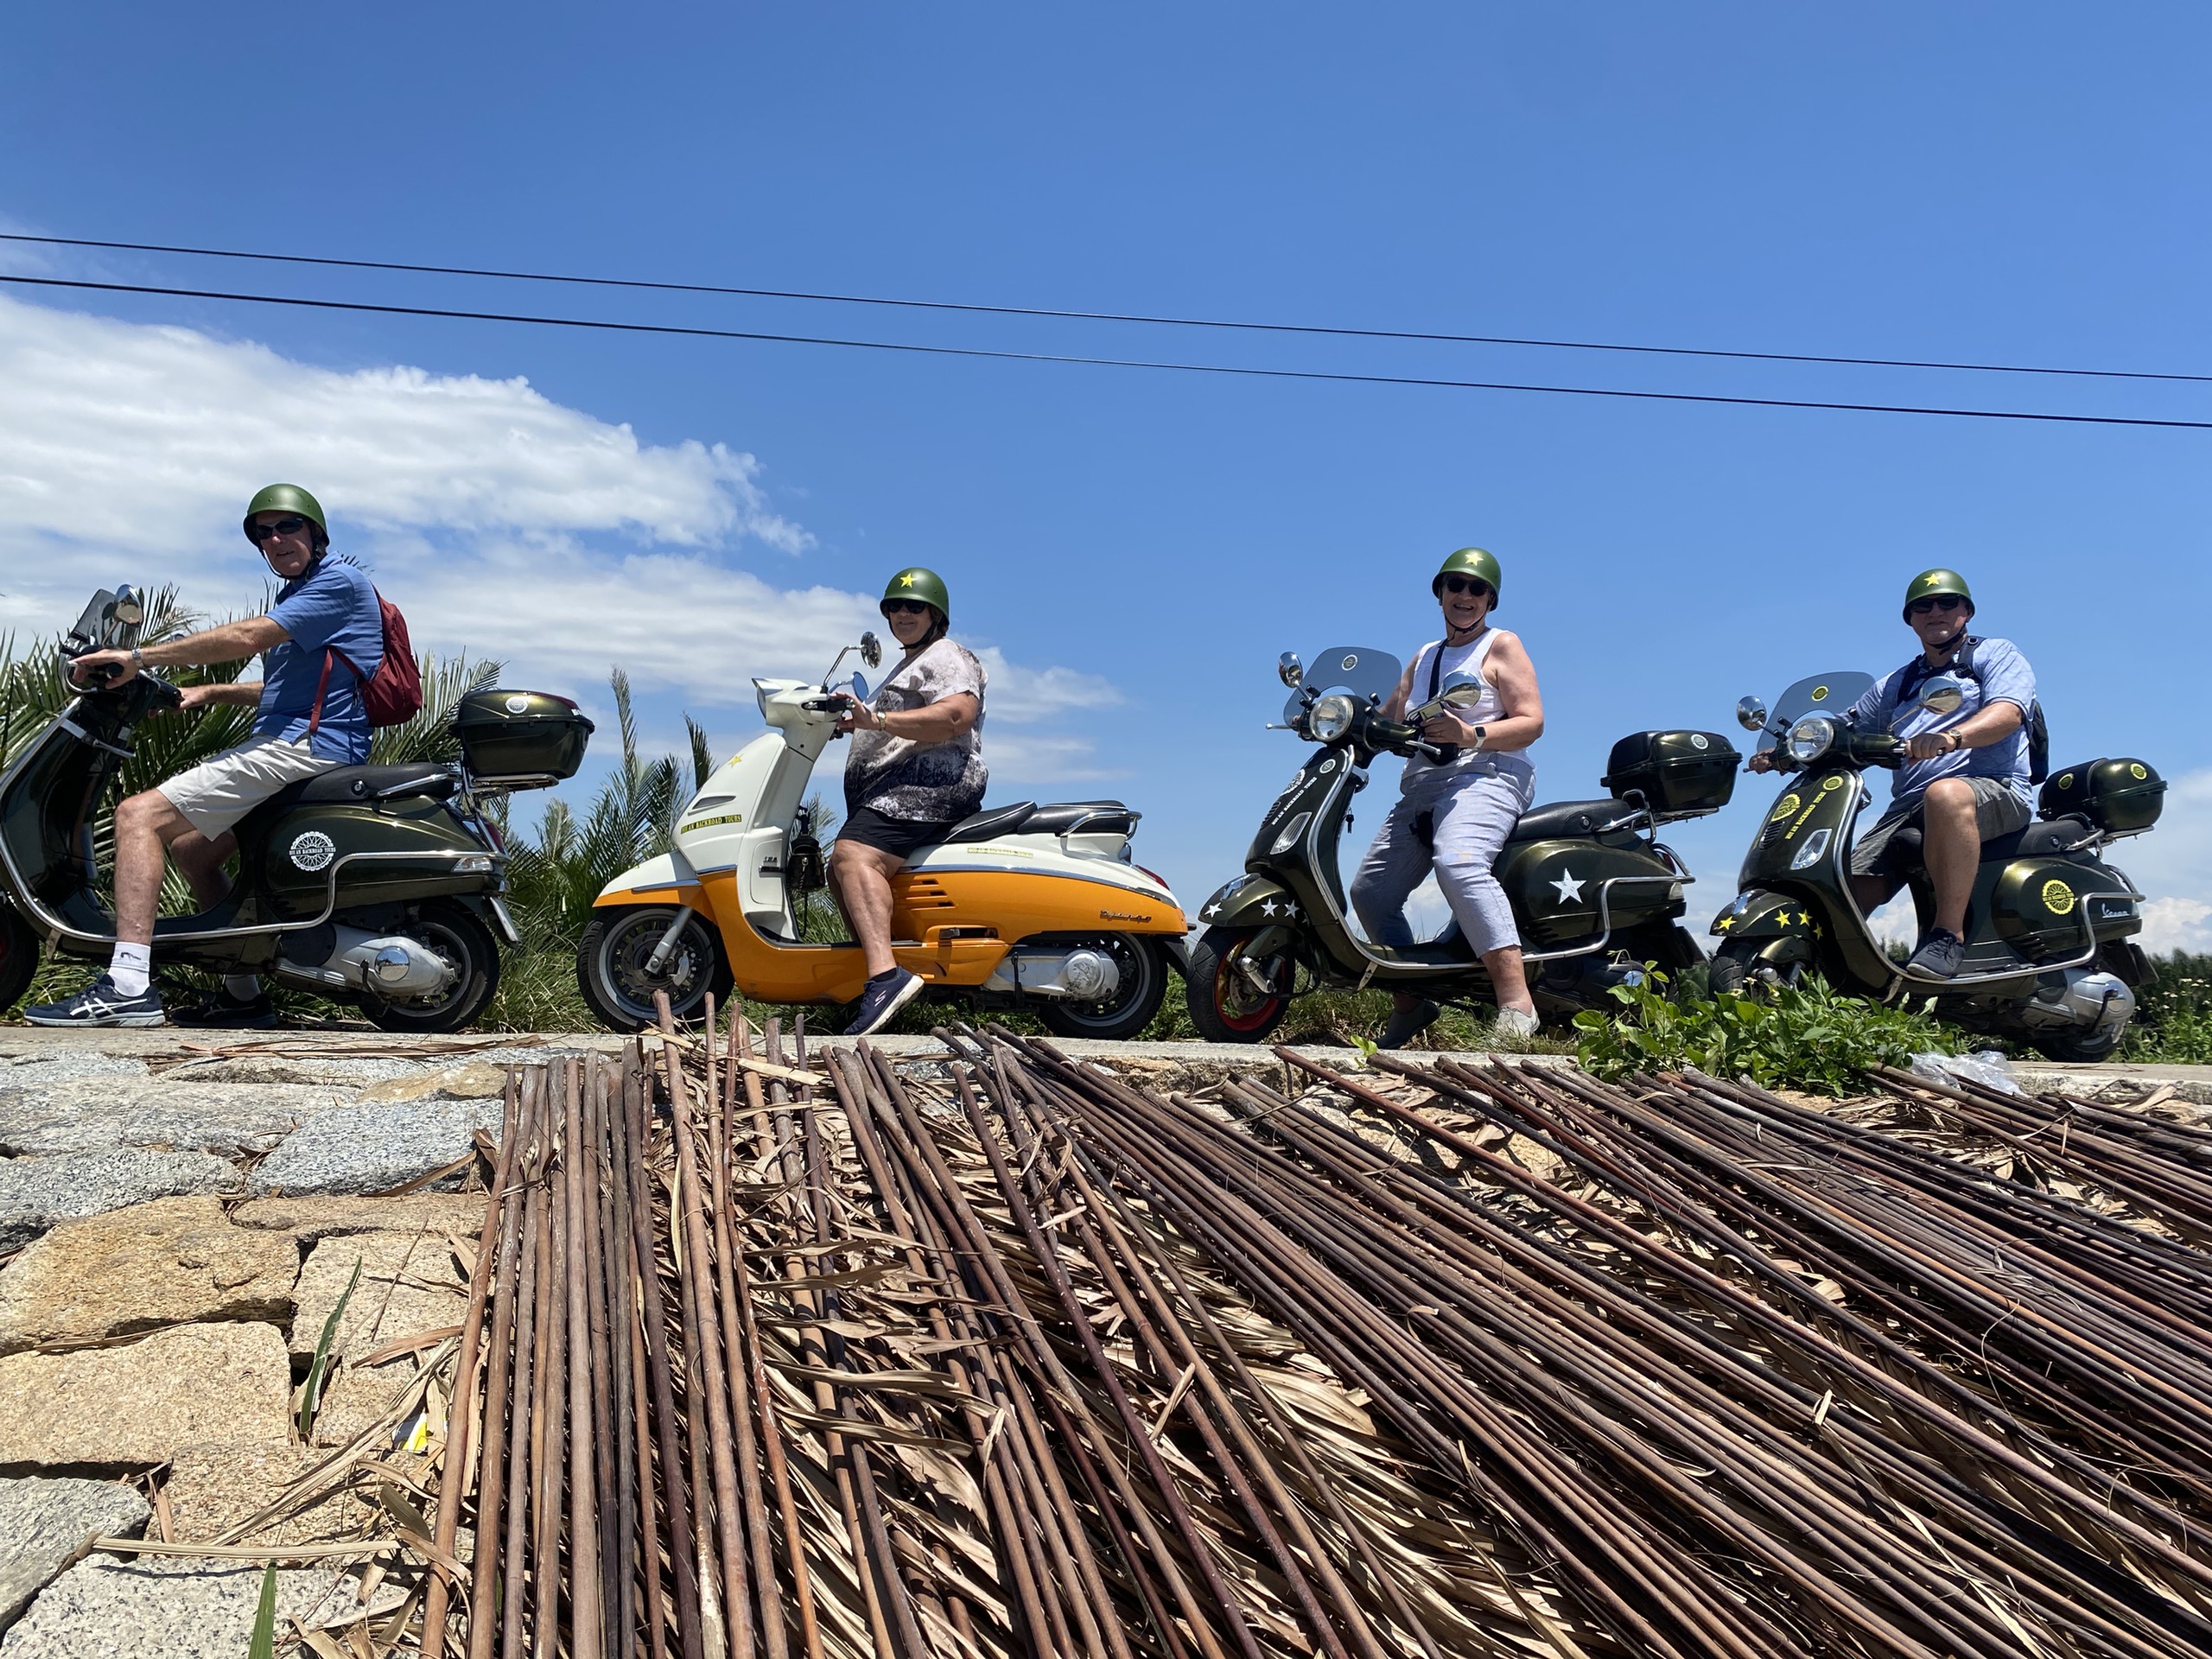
x: 612, y: 971
x: 2071, y: 1046
x: 1137, y: 998
x: 1738, y: 966
x: 465, y: 943
x: 19, y: 950
x: 1225, y: 1005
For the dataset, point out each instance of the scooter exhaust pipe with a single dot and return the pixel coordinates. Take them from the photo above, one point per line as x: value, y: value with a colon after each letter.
x: 392, y: 966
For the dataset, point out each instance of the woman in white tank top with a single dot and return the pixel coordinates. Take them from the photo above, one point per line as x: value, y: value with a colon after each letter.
x: 1453, y: 815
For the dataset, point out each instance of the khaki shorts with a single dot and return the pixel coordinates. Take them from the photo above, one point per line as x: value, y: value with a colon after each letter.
x: 215, y: 796
x: 1997, y: 811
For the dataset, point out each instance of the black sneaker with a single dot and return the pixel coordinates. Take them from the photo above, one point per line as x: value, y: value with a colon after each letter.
x: 100, y: 1004
x: 220, y: 1011
x: 1939, y: 956
x: 881, y: 1000
x: 1407, y: 1024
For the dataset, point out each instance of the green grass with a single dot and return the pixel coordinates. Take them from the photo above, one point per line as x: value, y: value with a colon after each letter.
x: 2173, y: 1017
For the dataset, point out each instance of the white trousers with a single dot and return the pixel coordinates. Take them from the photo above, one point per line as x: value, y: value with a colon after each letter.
x: 1471, y: 810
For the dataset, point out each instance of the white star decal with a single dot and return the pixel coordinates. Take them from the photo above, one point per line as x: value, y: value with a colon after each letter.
x: 1570, y: 889
x: 1267, y: 907
x: 1212, y: 911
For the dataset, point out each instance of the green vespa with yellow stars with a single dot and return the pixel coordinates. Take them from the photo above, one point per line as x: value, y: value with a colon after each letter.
x: 2050, y: 955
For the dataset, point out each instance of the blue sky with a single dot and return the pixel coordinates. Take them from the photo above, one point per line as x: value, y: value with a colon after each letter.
x: 2022, y: 184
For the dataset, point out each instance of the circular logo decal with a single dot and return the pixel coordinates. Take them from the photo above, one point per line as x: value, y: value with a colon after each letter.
x: 2057, y: 896
x: 1782, y: 808
x: 1820, y: 694
x: 2066, y: 780
x: 1329, y: 765
x: 314, y: 850
x: 518, y: 705
x: 2137, y: 770
x: 1835, y: 782
x: 1699, y: 741
x: 1348, y: 664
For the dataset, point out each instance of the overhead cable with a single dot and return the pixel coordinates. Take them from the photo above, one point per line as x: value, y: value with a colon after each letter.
x: 1337, y: 331
x: 920, y: 349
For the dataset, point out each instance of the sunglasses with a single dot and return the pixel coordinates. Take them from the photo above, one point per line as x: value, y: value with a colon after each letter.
x: 291, y: 524
x: 1465, y: 585
x: 905, y: 606
x: 1935, y: 602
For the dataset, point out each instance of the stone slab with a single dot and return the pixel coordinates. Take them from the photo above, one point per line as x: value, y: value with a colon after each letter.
x: 231, y: 1120
x: 160, y: 1607
x: 311, y: 1219
x: 372, y: 1148
x: 219, y: 1484
x: 173, y: 1261
x: 473, y: 1080
x: 132, y: 1406
x: 409, y: 1283
x: 36, y: 1193
x: 46, y: 1526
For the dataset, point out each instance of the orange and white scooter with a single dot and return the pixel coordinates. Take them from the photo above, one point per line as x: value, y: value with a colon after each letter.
x: 1036, y: 907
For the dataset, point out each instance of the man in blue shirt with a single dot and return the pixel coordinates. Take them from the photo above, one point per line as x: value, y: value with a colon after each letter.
x: 320, y: 643
x: 1966, y: 776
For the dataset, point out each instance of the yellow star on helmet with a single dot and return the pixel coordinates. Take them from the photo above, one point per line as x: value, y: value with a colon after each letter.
x: 907, y: 580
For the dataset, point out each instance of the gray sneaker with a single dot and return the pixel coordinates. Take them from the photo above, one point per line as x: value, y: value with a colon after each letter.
x: 1940, y: 954
x: 881, y: 1000
x: 100, y: 1004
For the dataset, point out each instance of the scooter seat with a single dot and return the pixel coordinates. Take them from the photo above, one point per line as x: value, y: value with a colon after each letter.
x: 1028, y: 819
x: 1569, y: 818
x: 1907, y: 849
x: 350, y: 785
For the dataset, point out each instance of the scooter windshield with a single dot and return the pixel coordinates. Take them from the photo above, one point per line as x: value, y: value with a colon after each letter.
x: 1826, y: 694
x: 1371, y: 674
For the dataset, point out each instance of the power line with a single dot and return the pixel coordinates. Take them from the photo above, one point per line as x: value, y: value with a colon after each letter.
x: 1103, y: 362
x: 1109, y: 316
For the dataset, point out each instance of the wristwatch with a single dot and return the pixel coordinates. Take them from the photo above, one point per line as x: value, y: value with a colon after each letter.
x: 1482, y: 734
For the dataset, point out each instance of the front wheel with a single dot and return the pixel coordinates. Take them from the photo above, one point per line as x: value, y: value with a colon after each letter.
x: 1137, y: 998
x: 2072, y: 1047
x: 1225, y: 1005
x: 19, y: 953
x: 1737, y: 965
x: 456, y: 934
x: 614, y: 970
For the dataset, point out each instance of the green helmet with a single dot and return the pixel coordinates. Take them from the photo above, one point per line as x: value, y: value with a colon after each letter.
x: 1470, y: 562
x: 285, y: 497
x: 1928, y: 583
x: 915, y: 582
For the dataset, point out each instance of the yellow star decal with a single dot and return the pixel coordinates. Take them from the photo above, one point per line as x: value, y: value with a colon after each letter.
x: 906, y: 580
x: 1816, y: 932
x: 1726, y: 922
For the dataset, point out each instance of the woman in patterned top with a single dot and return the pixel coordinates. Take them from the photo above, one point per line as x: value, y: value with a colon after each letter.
x: 916, y: 769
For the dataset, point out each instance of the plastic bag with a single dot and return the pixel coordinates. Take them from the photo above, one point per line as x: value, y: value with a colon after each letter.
x: 1989, y: 1068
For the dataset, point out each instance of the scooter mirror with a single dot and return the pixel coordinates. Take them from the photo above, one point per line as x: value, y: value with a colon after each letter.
x: 1942, y: 695
x: 1750, y: 714
x: 859, y: 688
x: 1464, y: 695
x: 128, y: 609
x: 871, y: 650
x: 1290, y: 671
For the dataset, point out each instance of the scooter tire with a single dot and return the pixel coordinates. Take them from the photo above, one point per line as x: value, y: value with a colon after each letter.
x: 456, y: 934
x: 1131, y: 1010
x: 1222, y: 1005
x: 613, y: 939
x: 19, y: 955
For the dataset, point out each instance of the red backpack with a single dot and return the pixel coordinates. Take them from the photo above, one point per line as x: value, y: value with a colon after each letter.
x: 393, y: 694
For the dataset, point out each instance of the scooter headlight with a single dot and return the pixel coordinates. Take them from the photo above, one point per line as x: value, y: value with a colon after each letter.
x: 1809, y: 737
x: 1330, y: 718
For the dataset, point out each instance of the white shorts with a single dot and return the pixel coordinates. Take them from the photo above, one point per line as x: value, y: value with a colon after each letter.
x: 215, y: 795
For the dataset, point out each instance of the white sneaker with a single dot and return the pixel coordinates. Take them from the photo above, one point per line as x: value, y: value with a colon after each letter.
x: 1519, y: 1023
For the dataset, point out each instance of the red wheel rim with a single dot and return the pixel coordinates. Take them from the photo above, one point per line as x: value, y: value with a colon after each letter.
x: 1251, y: 1020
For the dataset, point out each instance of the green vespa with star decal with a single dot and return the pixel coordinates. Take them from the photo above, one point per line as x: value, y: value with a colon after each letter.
x: 1594, y: 892
x: 2049, y: 961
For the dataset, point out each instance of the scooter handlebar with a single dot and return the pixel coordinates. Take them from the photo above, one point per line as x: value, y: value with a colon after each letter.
x: 1400, y: 738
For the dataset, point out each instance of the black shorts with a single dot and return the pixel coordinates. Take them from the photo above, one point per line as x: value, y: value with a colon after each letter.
x: 897, y: 836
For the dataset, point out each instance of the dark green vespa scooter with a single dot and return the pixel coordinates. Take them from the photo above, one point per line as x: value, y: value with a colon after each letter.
x: 1594, y: 892
x: 2050, y: 958
x: 376, y: 885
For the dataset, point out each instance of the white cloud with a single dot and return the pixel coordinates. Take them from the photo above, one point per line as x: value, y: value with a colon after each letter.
x: 503, y: 523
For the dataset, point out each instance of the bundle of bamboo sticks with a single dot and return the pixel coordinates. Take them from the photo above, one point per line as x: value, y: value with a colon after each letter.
x: 772, y: 1353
